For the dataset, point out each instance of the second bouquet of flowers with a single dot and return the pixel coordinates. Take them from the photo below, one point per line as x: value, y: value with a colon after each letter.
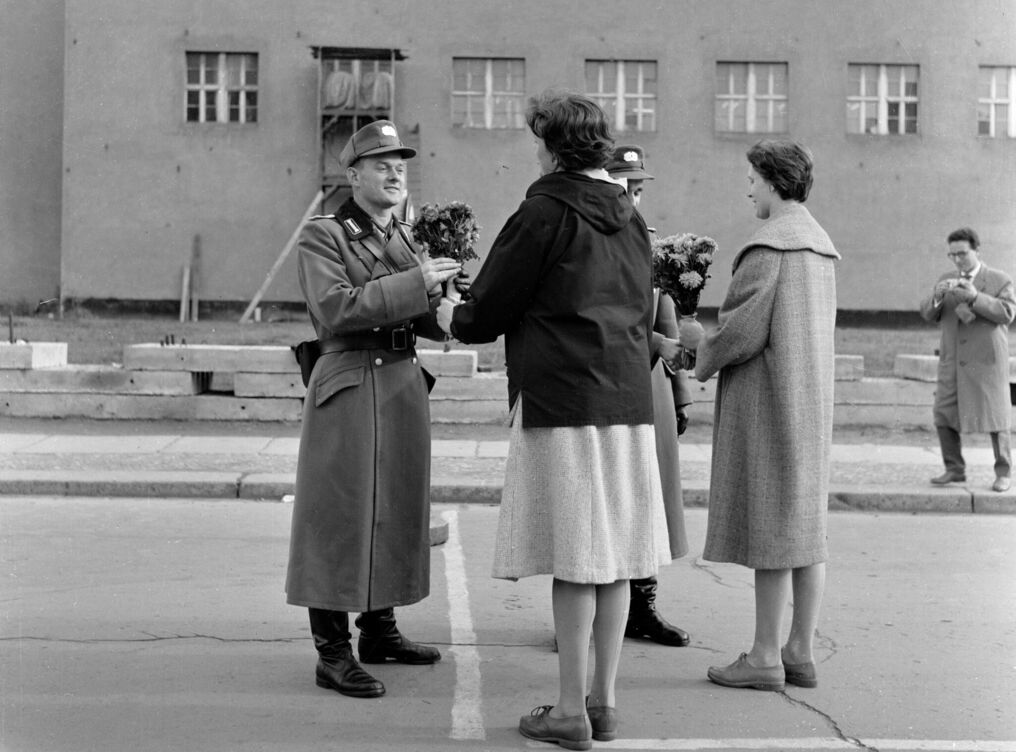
x: 680, y: 269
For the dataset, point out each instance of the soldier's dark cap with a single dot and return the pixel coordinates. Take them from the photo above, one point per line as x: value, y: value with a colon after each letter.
x: 379, y: 137
x: 628, y: 162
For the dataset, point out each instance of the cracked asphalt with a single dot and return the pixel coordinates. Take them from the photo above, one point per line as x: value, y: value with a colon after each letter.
x: 133, y: 625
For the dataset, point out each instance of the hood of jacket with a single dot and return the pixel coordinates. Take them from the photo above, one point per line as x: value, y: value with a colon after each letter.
x: 598, y: 202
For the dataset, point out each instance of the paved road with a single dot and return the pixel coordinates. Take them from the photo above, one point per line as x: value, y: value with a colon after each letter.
x: 136, y: 625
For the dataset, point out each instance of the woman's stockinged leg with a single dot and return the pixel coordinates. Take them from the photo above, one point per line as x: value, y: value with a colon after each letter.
x: 808, y: 586
x: 574, y: 608
x: 772, y: 595
x: 608, y: 634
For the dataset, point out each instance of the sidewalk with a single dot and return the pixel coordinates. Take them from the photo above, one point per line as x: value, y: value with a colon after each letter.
x: 258, y: 462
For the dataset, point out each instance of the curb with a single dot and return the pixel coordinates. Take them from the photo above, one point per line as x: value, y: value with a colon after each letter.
x: 272, y: 487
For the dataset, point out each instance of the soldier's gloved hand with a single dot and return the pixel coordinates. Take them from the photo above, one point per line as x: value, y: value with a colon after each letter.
x: 682, y: 421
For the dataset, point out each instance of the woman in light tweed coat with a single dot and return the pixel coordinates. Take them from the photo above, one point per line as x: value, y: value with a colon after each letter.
x: 773, y: 421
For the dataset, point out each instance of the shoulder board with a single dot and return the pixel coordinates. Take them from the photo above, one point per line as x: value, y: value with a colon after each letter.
x: 320, y: 216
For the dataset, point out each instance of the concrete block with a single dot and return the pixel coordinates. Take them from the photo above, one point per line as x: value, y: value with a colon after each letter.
x: 103, y: 380
x: 885, y: 392
x: 918, y: 367
x: 247, y: 384
x: 849, y: 367
x: 900, y: 499
x: 123, y: 483
x: 139, y: 407
x: 212, y: 358
x: 33, y: 354
x: 990, y: 502
x: 438, y: 531
x: 270, y: 486
x: 452, y: 363
x: 450, y: 490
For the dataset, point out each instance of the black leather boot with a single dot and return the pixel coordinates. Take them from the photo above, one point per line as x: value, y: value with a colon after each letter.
x: 645, y: 622
x: 380, y: 640
x: 336, y: 667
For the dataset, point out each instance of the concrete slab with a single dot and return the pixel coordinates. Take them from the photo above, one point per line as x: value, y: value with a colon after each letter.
x: 247, y: 384
x: 492, y: 449
x: 266, y: 486
x: 226, y: 358
x: 103, y: 380
x: 156, y: 407
x: 901, y: 499
x: 461, y: 363
x: 33, y: 355
x: 146, y: 484
x: 990, y: 502
x: 451, y: 448
x: 919, y: 367
x: 849, y: 367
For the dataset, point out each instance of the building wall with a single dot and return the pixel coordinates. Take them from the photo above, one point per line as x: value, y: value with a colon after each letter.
x: 139, y: 184
x: 31, y: 124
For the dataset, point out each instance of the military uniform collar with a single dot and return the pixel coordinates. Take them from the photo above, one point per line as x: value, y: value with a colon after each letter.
x: 354, y: 220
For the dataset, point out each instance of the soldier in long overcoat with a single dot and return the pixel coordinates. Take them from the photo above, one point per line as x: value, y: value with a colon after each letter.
x: 974, y: 306
x: 671, y: 397
x: 361, y: 517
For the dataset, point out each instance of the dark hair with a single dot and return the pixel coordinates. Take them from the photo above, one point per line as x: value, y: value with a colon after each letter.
x: 573, y: 128
x: 964, y: 233
x: 786, y: 165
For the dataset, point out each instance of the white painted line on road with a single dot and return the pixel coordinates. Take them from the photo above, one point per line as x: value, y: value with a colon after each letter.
x: 804, y: 743
x: 467, y: 712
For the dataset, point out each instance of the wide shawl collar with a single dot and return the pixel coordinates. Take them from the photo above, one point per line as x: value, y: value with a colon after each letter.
x: 794, y: 229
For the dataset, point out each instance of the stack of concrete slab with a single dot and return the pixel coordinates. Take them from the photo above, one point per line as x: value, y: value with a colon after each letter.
x: 212, y: 382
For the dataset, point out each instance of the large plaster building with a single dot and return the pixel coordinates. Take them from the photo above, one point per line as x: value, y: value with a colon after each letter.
x: 134, y: 133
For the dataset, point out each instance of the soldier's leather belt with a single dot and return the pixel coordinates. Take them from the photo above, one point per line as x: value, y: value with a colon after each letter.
x: 398, y: 338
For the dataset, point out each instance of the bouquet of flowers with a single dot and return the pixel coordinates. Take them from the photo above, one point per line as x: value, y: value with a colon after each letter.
x: 680, y: 269
x: 450, y: 230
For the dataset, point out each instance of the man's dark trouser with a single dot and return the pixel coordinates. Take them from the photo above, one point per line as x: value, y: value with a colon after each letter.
x: 952, y: 451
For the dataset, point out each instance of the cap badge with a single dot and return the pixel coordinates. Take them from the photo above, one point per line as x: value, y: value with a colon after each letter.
x: 631, y: 156
x: 387, y: 130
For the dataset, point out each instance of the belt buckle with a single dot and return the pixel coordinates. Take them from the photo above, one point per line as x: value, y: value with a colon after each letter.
x: 400, y: 338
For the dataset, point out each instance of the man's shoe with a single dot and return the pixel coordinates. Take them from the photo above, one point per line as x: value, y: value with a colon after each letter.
x: 1001, y: 484
x: 347, y: 677
x: 948, y: 476
x: 742, y: 675
x: 573, y: 732
x: 381, y: 648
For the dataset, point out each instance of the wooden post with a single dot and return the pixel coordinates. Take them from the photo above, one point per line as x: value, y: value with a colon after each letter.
x: 195, y: 278
x: 282, y: 257
x: 184, y: 292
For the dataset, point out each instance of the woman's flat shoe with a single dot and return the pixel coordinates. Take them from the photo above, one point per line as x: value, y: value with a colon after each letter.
x: 603, y: 719
x: 573, y: 732
x: 742, y: 675
x: 800, y: 674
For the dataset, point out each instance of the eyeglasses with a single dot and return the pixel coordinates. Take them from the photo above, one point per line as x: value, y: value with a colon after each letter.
x: 958, y: 254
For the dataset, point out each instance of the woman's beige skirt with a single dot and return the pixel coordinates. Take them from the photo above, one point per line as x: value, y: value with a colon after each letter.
x: 581, y: 503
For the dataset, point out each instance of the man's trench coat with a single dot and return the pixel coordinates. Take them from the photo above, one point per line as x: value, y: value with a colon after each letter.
x: 361, y: 516
x: 972, y: 395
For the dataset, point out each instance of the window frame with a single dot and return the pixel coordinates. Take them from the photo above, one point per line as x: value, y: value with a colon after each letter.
x: 615, y: 102
x: 753, y: 98
x: 513, y: 99
x: 244, y: 98
x: 882, y: 100
x: 992, y: 102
